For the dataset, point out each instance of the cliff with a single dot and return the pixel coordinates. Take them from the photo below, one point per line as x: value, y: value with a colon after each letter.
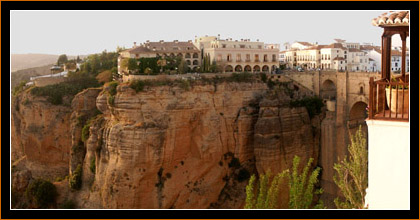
x: 168, y: 147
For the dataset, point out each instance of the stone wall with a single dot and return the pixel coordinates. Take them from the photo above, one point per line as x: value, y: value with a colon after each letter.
x: 48, y: 81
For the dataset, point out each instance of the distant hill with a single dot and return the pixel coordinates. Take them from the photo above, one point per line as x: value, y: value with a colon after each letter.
x: 25, y: 61
x: 25, y: 74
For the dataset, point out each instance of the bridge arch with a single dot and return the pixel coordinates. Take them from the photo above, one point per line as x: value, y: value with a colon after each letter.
x: 357, y: 117
x: 328, y: 90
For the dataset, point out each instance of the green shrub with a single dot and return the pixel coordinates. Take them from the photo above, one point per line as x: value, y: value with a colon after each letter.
x: 75, y: 181
x: 19, y: 88
x: 111, y: 100
x: 352, y: 173
x: 302, y: 186
x: 137, y: 85
x: 267, y: 194
x: 68, y: 204
x: 85, y: 132
x: 270, y: 84
x: 92, y: 166
x: 113, y: 88
x: 240, y: 77
x: 263, y: 77
x: 42, y: 192
x: 71, y: 87
x: 312, y: 104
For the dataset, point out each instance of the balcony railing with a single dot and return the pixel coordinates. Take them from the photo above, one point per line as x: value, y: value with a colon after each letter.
x: 389, y: 100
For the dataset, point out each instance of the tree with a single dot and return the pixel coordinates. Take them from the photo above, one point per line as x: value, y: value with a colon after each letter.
x: 182, y: 67
x: 62, y: 59
x: 78, y: 59
x: 268, y: 191
x: 302, y: 187
x: 132, y: 64
x: 352, y: 174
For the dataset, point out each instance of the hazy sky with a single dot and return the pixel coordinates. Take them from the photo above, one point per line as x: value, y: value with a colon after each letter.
x: 85, y: 32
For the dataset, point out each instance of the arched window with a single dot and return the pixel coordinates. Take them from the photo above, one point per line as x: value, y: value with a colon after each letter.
x: 361, y: 90
x: 195, y: 62
x: 188, y: 62
x: 195, y: 55
x: 188, y: 55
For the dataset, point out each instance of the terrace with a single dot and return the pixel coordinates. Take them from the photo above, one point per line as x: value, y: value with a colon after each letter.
x: 389, y: 96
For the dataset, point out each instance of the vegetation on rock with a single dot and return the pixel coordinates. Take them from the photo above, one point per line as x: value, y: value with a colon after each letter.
x: 267, y: 193
x: 312, y: 104
x: 302, y: 187
x: 71, y: 87
x: 352, y: 174
x: 42, y: 192
x: 75, y: 180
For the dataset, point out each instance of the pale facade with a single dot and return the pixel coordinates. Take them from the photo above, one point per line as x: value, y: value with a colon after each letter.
x: 185, y: 50
x: 340, y: 56
x: 239, y: 55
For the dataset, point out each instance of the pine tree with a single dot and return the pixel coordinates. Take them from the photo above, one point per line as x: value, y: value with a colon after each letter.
x: 352, y: 178
x: 302, y: 188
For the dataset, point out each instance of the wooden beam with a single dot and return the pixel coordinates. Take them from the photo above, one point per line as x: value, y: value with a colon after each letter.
x: 386, y: 56
x: 403, y: 39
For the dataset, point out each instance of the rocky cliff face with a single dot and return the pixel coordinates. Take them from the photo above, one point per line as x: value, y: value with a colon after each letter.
x: 167, y: 147
x: 40, y: 136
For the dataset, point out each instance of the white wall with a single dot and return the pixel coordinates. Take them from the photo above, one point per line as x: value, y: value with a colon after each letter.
x: 389, y: 165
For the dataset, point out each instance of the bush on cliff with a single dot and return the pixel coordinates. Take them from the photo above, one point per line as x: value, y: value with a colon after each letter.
x: 42, y: 193
x: 312, y: 104
x: 71, y: 87
x: 75, y: 180
x: 85, y: 132
x: 266, y: 196
x: 302, y: 187
x: 19, y: 88
x: 137, y: 85
x: 240, y: 77
x: 352, y: 178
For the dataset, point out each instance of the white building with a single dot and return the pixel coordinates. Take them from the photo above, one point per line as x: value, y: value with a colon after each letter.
x: 239, y: 55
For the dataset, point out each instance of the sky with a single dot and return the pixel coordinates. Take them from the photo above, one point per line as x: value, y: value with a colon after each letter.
x: 87, y: 32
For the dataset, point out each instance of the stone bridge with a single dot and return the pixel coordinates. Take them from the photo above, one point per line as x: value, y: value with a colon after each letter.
x: 346, y: 97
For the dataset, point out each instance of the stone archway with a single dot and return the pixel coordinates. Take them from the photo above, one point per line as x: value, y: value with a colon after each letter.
x: 265, y: 68
x: 357, y: 117
x: 238, y: 68
x: 257, y: 68
x: 328, y: 90
x: 228, y: 69
x: 247, y: 68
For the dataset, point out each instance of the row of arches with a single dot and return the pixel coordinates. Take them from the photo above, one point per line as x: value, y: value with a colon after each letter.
x: 195, y: 62
x: 187, y: 55
x: 248, y: 68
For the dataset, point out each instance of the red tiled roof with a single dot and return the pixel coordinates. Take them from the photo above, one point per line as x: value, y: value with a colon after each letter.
x: 164, y: 47
x: 317, y: 47
x: 354, y: 50
x: 335, y: 45
x: 305, y: 43
x: 401, y: 18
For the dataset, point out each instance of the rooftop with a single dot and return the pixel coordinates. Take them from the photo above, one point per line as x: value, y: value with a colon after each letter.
x: 164, y: 47
x: 392, y: 19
